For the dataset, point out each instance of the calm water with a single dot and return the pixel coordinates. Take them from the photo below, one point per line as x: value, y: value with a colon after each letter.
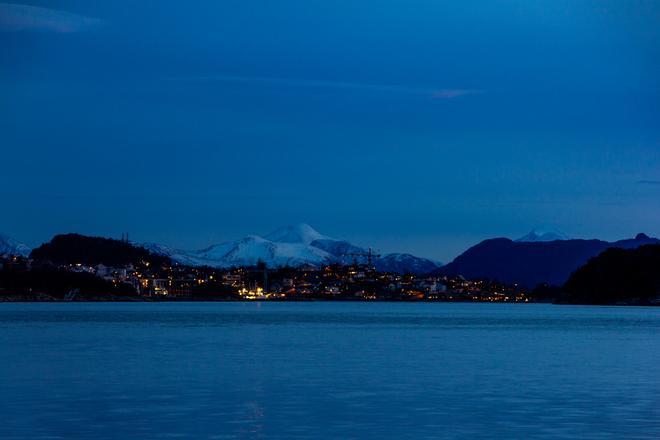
x: 328, y: 370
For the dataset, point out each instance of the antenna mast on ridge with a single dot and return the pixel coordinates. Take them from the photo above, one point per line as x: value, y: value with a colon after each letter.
x: 369, y: 254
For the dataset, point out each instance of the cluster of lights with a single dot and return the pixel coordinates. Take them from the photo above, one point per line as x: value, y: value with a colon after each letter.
x: 257, y: 293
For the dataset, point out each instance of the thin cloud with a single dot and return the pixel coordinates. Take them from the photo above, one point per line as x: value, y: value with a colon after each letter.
x: 308, y: 83
x: 15, y: 18
x: 648, y: 182
x: 454, y: 93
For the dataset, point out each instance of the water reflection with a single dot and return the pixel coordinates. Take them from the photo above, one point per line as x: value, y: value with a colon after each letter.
x: 328, y: 370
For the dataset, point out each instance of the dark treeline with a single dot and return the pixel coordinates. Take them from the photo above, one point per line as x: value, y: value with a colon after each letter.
x: 57, y: 283
x: 75, y: 248
x: 628, y: 276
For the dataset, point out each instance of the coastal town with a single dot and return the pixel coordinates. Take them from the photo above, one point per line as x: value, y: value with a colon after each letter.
x: 74, y: 267
x: 158, y: 279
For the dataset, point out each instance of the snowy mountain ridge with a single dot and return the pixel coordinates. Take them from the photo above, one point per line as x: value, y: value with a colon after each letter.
x: 300, y: 233
x: 293, y: 245
x: 542, y: 235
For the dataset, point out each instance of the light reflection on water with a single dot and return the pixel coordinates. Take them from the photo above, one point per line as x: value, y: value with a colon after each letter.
x: 328, y: 370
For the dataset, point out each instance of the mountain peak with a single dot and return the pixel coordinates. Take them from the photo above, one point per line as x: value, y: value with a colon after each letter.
x: 298, y: 233
x: 540, y: 235
x: 642, y: 236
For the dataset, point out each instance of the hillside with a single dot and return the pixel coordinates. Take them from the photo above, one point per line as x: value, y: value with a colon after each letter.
x: 629, y: 276
x: 75, y: 248
x: 532, y: 263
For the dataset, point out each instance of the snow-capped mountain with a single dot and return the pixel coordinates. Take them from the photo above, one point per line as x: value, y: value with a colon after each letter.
x: 300, y: 233
x: 541, y: 235
x: 178, y: 255
x: 9, y: 246
x: 287, y: 246
x: 252, y: 249
x: 341, y: 251
x: 405, y: 263
x: 293, y: 245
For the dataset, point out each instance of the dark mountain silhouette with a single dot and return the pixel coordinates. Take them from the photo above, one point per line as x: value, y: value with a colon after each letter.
x: 532, y: 263
x: 630, y: 276
x: 56, y: 283
x: 75, y: 248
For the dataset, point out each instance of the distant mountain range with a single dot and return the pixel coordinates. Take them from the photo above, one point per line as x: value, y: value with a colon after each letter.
x: 293, y: 245
x: 538, y: 257
x: 531, y: 262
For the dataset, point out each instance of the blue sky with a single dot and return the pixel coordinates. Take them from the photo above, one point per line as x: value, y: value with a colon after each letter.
x: 417, y: 126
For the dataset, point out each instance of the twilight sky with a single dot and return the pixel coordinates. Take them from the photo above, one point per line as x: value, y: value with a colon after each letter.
x: 416, y: 126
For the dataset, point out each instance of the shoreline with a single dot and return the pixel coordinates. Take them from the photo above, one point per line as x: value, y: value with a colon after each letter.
x: 307, y: 300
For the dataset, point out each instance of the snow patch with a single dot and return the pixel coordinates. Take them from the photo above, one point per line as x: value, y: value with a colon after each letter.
x: 542, y: 235
x: 9, y: 246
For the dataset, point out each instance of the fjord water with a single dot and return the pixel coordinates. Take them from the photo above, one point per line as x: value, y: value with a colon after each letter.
x: 328, y: 370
